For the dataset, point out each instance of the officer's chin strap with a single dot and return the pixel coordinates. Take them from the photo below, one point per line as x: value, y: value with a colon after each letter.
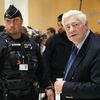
x: 5, y: 90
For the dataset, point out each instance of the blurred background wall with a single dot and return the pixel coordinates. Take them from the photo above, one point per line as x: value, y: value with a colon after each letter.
x: 42, y: 14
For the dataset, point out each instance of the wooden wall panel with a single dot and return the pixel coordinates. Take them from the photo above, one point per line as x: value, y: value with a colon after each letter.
x: 43, y: 13
x: 1, y: 11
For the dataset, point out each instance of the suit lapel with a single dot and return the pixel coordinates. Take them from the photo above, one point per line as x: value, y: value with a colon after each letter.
x: 79, y: 57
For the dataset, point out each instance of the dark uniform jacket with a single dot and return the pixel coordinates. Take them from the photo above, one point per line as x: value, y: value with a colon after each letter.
x: 56, y: 54
x: 19, y: 52
x: 83, y: 81
x: 3, y: 51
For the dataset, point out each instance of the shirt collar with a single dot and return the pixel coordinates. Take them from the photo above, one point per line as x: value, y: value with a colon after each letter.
x: 80, y: 44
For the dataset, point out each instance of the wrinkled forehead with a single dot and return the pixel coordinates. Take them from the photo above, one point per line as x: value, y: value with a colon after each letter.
x: 72, y: 19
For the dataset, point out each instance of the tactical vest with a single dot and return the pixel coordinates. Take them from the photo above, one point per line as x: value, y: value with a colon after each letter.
x: 21, y: 64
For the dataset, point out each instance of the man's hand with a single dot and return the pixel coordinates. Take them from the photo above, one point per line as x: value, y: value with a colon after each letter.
x: 50, y: 94
x: 58, y: 86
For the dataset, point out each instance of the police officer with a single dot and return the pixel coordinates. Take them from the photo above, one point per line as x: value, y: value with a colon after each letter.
x: 21, y: 68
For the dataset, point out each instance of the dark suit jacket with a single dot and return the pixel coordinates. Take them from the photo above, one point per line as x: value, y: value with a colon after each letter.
x: 83, y: 81
x: 55, y: 56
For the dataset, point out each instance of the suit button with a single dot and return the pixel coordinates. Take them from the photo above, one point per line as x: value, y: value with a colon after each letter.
x: 72, y: 78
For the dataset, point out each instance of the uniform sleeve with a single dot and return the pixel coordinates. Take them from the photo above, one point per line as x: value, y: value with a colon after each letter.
x: 3, y: 51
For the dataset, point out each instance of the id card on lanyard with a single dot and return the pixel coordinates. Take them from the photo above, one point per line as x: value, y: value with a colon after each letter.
x: 23, y: 67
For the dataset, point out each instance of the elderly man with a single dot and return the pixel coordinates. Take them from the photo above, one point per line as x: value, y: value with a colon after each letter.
x: 82, y: 79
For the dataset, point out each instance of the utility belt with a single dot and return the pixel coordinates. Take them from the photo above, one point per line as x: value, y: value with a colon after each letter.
x: 18, y: 87
x: 18, y: 84
x: 19, y: 93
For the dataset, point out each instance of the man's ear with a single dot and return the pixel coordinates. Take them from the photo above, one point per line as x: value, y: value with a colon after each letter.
x: 22, y: 21
x: 86, y: 24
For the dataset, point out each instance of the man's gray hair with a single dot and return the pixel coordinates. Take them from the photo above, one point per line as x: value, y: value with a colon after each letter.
x: 82, y: 16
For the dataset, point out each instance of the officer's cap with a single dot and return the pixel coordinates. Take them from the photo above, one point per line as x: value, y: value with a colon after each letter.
x: 60, y: 17
x: 12, y: 12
